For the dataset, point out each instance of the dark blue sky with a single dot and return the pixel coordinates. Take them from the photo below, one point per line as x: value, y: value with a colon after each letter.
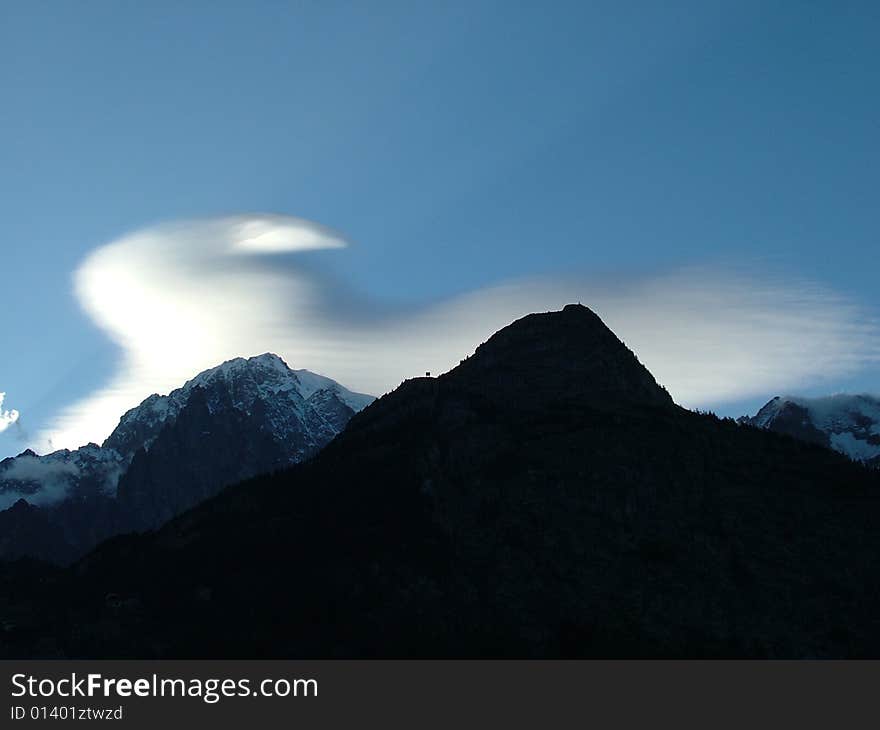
x: 455, y: 144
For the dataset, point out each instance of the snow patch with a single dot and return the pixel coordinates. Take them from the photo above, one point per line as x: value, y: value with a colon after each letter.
x: 855, y: 448
x: 310, y: 383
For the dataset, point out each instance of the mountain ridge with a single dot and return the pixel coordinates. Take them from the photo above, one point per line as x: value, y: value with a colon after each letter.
x: 459, y: 517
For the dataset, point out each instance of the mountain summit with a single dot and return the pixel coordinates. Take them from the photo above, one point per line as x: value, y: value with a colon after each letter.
x: 298, y: 407
x: 569, y: 354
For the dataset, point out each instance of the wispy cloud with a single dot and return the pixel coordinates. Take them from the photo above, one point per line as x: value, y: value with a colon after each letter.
x: 7, y: 418
x: 182, y: 297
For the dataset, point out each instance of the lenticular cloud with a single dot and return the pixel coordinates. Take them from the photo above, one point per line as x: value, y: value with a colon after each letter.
x: 182, y: 297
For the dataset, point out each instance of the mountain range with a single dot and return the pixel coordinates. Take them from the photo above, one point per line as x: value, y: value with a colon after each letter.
x: 242, y: 418
x: 545, y: 498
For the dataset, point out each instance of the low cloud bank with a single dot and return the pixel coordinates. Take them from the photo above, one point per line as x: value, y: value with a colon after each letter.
x: 51, y: 481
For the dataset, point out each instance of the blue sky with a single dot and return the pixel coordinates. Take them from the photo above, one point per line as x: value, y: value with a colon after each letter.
x: 455, y: 145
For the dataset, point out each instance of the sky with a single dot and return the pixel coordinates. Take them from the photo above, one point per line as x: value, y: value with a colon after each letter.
x: 369, y: 188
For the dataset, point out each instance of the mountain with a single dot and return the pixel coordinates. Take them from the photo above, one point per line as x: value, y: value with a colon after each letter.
x: 237, y: 420
x: 546, y: 498
x: 229, y: 423
x: 59, y: 505
x: 849, y: 424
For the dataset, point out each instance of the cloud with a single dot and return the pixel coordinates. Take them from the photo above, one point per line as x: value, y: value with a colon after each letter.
x: 183, y: 297
x: 7, y: 418
x: 51, y: 480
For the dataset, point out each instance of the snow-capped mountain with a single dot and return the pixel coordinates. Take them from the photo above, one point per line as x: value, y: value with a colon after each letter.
x: 234, y: 421
x: 849, y: 424
x: 292, y: 403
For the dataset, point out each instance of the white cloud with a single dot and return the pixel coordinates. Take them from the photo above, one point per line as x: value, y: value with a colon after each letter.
x: 51, y: 481
x: 7, y: 418
x: 183, y: 297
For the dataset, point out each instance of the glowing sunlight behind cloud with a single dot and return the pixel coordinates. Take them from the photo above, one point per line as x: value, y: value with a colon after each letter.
x: 182, y: 297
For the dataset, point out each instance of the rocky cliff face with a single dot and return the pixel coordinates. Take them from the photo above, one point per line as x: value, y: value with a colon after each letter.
x: 543, y: 499
x: 243, y: 418
x: 234, y: 421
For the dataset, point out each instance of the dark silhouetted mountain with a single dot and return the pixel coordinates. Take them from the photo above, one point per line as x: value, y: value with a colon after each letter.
x: 544, y: 499
x: 26, y: 530
x: 849, y: 424
x: 229, y: 423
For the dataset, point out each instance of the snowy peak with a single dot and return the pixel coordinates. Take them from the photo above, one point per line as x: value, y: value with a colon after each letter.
x: 237, y: 420
x: 264, y: 382
x: 846, y: 423
x: 242, y: 418
x: 266, y: 367
x: 241, y: 380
